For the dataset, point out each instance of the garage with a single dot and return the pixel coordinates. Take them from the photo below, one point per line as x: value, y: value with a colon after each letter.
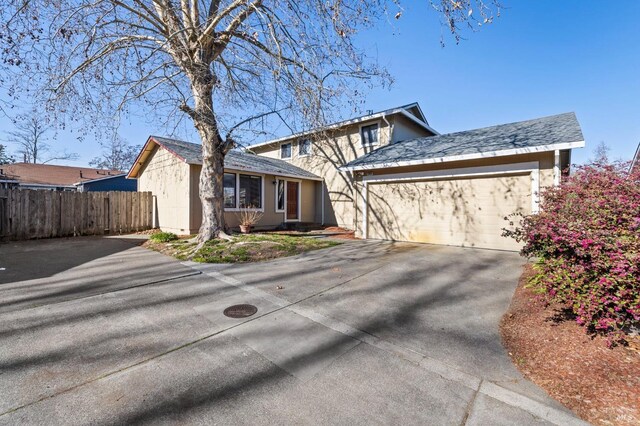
x: 466, y: 212
x: 457, y: 188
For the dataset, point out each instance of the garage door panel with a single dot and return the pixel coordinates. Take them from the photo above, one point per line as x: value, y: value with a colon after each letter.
x: 467, y: 212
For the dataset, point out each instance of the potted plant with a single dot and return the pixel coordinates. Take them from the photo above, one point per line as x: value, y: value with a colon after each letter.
x: 248, y: 217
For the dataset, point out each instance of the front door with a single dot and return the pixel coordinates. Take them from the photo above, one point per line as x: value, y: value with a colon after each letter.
x: 292, y: 200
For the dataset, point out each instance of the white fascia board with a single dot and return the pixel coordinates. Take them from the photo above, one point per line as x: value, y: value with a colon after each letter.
x: 102, y: 178
x: 346, y: 123
x: 455, y: 173
x: 474, y: 156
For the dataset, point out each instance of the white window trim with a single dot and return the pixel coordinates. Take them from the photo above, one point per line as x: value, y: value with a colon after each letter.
x: 310, y: 147
x: 278, y: 180
x: 532, y: 168
x: 237, y: 208
x: 290, y: 150
x: 370, y: 123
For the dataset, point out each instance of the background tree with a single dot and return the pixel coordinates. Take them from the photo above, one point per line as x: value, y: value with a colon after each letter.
x: 601, y: 154
x: 116, y: 154
x: 30, y: 136
x: 5, y: 158
x: 228, y: 65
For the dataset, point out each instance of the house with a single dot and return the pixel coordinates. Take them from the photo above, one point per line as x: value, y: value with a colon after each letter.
x: 386, y: 175
x: 170, y: 169
x: 635, y: 162
x: 50, y: 177
x: 117, y: 182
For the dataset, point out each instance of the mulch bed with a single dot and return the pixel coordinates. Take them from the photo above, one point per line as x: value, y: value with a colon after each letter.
x: 600, y: 384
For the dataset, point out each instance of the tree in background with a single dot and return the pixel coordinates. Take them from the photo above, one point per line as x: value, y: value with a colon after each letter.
x: 5, y: 158
x: 117, y: 154
x: 601, y: 154
x: 30, y: 136
x: 228, y: 65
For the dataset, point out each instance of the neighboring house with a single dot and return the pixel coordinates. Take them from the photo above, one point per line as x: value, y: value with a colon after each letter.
x: 170, y: 169
x: 48, y: 176
x: 635, y: 163
x: 108, y: 183
x: 387, y: 175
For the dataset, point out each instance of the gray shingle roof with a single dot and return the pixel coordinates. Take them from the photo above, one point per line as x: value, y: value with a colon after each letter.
x: 192, y: 154
x: 524, y: 135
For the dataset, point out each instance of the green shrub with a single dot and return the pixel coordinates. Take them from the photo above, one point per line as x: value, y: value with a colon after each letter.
x: 164, y: 237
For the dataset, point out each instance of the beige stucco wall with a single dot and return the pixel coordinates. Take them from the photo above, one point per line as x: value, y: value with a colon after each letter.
x: 168, y: 180
x: 331, y: 151
x: 174, y: 185
x: 270, y: 218
x: 466, y: 211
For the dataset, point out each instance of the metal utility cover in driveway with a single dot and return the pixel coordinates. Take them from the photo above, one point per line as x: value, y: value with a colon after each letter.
x: 240, y: 311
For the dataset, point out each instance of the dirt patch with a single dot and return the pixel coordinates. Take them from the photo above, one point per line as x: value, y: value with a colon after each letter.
x: 243, y: 248
x: 600, y: 384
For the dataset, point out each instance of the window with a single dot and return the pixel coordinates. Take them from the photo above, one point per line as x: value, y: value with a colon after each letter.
x: 229, y: 186
x: 280, y: 195
x: 250, y: 192
x: 369, y: 134
x: 285, y: 150
x: 304, y: 147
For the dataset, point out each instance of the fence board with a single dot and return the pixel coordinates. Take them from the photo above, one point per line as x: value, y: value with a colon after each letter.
x: 27, y: 214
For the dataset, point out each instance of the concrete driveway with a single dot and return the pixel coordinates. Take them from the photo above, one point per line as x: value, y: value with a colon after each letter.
x: 99, y: 330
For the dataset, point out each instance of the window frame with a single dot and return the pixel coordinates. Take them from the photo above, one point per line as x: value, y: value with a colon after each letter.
x: 290, y: 150
x: 310, y: 151
x: 237, y: 208
x: 235, y: 190
x: 284, y: 195
x: 369, y: 124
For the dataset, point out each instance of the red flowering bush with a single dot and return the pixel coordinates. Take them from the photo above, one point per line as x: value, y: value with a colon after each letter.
x: 587, y: 241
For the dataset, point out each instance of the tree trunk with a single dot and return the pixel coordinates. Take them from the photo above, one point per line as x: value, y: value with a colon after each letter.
x: 213, y: 152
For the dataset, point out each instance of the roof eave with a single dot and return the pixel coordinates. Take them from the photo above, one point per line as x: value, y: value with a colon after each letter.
x: 400, y: 110
x: 463, y: 157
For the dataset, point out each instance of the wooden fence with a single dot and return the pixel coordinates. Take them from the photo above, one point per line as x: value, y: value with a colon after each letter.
x: 26, y: 214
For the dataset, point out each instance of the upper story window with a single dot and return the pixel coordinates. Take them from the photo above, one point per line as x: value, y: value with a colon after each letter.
x: 285, y: 150
x: 369, y: 134
x: 304, y: 147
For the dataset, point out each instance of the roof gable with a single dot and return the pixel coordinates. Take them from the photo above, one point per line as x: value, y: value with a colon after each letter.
x: 191, y: 153
x: 411, y: 111
x: 537, y: 135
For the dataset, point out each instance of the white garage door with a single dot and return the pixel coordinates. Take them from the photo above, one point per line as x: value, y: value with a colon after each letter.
x: 463, y: 212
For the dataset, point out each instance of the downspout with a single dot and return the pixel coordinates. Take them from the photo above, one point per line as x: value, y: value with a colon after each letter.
x: 322, y: 198
x: 390, y: 126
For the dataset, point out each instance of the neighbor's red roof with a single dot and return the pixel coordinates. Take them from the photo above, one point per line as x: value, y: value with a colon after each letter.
x: 47, y: 174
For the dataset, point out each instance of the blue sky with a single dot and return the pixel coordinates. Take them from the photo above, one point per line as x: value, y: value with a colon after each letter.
x: 539, y: 58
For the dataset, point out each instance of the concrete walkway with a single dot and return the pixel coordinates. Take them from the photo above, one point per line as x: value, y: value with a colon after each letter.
x: 362, y: 333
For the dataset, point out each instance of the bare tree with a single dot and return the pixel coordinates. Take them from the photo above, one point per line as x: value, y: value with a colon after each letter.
x: 601, y: 154
x: 231, y: 66
x: 116, y: 154
x: 30, y: 136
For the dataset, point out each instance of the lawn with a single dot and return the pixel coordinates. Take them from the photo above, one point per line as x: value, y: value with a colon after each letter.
x: 242, y: 248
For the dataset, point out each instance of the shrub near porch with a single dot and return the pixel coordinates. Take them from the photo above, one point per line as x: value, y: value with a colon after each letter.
x: 587, y: 239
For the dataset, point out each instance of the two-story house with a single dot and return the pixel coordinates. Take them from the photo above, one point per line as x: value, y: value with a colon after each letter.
x: 386, y: 175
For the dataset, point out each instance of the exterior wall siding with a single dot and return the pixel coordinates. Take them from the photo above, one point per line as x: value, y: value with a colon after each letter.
x: 329, y: 152
x: 465, y: 211
x: 168, y: 179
